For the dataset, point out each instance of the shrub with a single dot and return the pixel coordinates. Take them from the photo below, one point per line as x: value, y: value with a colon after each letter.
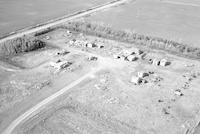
x: 102, y: 30
x: 19, y: 45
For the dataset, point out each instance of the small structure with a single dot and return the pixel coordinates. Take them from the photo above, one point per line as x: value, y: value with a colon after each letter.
x: 164, y: 62
x: 90, y: 45
x: 142, y: 56
x: 156, y: 62
x: 47, y: 37
x: 77, y: 43
x: 142, y: 74
x: 127, y: 52
x: 178, y: 92
x: 137, y: 51
x: 84, y: 44
x: 100, y: 46
x: 132, y: 51
x: 150, y: 61
x: 60, y: 65
x: 131, y: 58
x: 116, y: 56
x: 136, y: 80
x: 68, y: 32
x: 64, y: 52
x: 71, y: 42
x: 92, y: 58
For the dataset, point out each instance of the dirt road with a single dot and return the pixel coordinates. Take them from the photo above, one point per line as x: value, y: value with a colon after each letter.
x: 181, y: 3
x: 62, y: 20
x: 46, y: 101
x: 103, y: 62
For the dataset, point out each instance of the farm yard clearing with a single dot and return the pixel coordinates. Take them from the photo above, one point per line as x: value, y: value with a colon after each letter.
x: 111, y: 100
x: 85, y: 76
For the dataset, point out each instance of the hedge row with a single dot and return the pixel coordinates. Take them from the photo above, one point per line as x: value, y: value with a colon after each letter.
x: 19, y: 45
x: 102, y: 30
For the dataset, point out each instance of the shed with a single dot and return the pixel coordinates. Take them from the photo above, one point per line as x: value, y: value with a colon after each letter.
x: 116, y: 56
x: 48, y: 37
x: 68, y: 32
x: 156, y: 62
x: 71, y: 42
x: 136, y: 51
x: 100, y: 45
x: 164, y: 62
x: 60, y: 65
x: 136, y: 80
x: 131, y: 58
x: 90, y: 45
x: 142, y: 74
x: 92, y: 58
x: 127, y: 52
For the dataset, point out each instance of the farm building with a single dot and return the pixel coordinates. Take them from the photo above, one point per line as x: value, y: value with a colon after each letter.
x: 92, y: 58
x: 127, y: 52
x: 131, y: 58
x: 136, y: 80
x: 60, y: 65
x: 90, y: 45
x: 164, y: 62
x: 142, y: 74
x: 156, y: 62
x: 116, y: 56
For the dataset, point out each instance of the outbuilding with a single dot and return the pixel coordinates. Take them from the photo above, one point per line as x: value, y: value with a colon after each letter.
x: 156, y: 62
x: 90, y: 45
x: 131, y: 58
x: 92, y: 58
x: 116, y: 56
x: 164, y: 62
x: 127, y: 52
x: 142, y: 74
x: 136, y: 80
x: 60, y: 65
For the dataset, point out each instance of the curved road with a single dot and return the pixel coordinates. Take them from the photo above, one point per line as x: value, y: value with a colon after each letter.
x: 46, y: 101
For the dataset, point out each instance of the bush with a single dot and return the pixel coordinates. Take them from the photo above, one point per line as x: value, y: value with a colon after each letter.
x: 102, y: 30
x: 19, y: 45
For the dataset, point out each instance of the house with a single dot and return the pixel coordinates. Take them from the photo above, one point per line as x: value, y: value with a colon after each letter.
x: 132, y: 51
x: 47, y: 37
x: 156, y: 62
x: 63, y: 52
x: 137, y: 51
x: 136, y: 80
x: 77, y: 43
x: 90, y: 45
x: 127, y: 52
x: 68, y: 32
x: 164, y: 62
x: 100, y: 45
x: 150, y: 61
x: 71, y: 42
x: 131, y: 58
x: 142, y: 74
x: 60, y: 65
x: 116, y: 56
x: 92, y: 58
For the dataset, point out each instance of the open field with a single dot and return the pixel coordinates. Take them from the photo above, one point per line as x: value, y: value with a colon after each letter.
x: 159, y: 18
x: 19, y: 14
x: 108, y: 102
